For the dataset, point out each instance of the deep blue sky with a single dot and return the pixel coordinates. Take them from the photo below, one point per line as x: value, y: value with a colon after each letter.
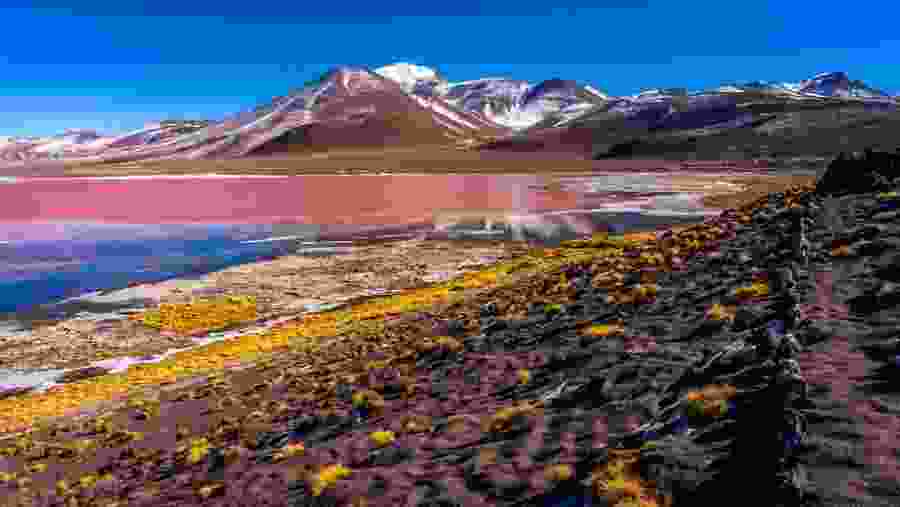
x: 114, y: 65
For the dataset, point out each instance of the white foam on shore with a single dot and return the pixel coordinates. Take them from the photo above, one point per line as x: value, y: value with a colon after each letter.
x: 286, y: 238
x: 17, y: 379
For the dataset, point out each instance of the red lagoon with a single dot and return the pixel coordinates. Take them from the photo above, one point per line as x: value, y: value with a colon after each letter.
x: 309, y: 199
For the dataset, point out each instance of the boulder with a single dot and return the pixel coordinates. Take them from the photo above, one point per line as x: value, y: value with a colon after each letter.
x: 859, y: 173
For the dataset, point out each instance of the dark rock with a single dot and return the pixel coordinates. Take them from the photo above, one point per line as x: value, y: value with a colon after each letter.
x: 492, y: 325
x: 863, y: 232
x: 631, y: 278
x: 442, y: 500
x: 886, y: 216
x: 702, y: 329
x: 343, y: 392
x: 887, y: 295
x: 883, y: 351
x: 440, y: 390
x: 215, y: 463
x: 269, y: 440
x: 745, y: 318
x: 377, y: 486
x: 488, y: 310
x: 298, y: 427
x: 389, y: 456
x: 476, y: 343
x: 859, y: 173
x: 546, y: 452
x: 536, y: 308
x: 528, y: 322
x: 679, y: 467
x: 455, y: 328
x: 890, y: 269
x: 511, y: 487
x: 166, y: 470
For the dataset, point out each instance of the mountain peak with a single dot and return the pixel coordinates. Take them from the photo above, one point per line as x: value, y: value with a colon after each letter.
x: 411, y: 77
x: 831, y: 84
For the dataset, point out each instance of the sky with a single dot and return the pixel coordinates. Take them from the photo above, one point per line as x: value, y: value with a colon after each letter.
x: 114, y: 66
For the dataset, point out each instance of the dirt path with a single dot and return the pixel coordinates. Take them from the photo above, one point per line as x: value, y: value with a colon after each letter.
x: 836, y: 369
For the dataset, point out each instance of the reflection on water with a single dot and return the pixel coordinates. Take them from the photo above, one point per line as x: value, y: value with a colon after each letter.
x: 28, y: 278
x: 63, y: 237
x: 312, y: 199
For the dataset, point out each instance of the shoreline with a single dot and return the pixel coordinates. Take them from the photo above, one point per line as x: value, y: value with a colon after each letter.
x: 255, y: 274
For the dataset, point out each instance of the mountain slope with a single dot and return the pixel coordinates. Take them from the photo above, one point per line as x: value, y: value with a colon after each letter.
x: 347, y: 107
x: 519, y: 104
x: 405, y: 105
x: 509, y: 102
x: 819, y: 117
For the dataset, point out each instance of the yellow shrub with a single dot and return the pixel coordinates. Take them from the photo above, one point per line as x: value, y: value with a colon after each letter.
x: 719, y: 312
x: 37, y: 467
x: 605, y: 330
x: 201, y: 314
x: 756, y: 289
x: 558, y: 473
x: 382, y: 438
x: 199, y: 450
x: 86, y: 481
x: 841, y: 251
x: 327, y: 477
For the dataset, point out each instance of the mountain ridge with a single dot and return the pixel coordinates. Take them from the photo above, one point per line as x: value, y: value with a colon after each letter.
x: 409, y: 105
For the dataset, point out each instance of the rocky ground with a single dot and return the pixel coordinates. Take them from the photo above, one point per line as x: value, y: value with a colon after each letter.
x: 754, y: 357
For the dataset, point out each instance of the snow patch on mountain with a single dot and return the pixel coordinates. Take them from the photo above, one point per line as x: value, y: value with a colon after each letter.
x: 829, y: 84
x: 414, y: 78
x: 596, y: 91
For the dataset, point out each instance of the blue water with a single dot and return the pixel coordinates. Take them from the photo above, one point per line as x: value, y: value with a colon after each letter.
x: 39, y: 272
x: 84, y: 258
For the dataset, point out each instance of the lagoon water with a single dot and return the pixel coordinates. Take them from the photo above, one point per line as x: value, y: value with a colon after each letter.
x: 64, y: 237
x: 37, y: 272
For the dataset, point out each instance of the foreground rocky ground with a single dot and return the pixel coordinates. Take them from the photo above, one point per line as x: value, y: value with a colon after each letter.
x: 645, y: 374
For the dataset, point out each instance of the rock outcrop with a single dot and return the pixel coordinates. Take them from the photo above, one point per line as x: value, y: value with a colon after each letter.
x: 859, y: 172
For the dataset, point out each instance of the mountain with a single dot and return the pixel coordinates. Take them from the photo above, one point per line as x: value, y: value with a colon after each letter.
x: 406, y: 105
x: 347, y: 107
x: 415, y: 79
x: 510, y: 102
x: 820, y: 116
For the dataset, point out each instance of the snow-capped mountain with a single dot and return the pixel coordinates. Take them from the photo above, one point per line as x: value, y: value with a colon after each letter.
x: 519, y: 104
x: 415, y: 78
x: 828, y: 84
x: 751, y: 117
x: 346, y: 107
x: 405, y: 104
x: 509, y: 102
x: 500, y: 99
